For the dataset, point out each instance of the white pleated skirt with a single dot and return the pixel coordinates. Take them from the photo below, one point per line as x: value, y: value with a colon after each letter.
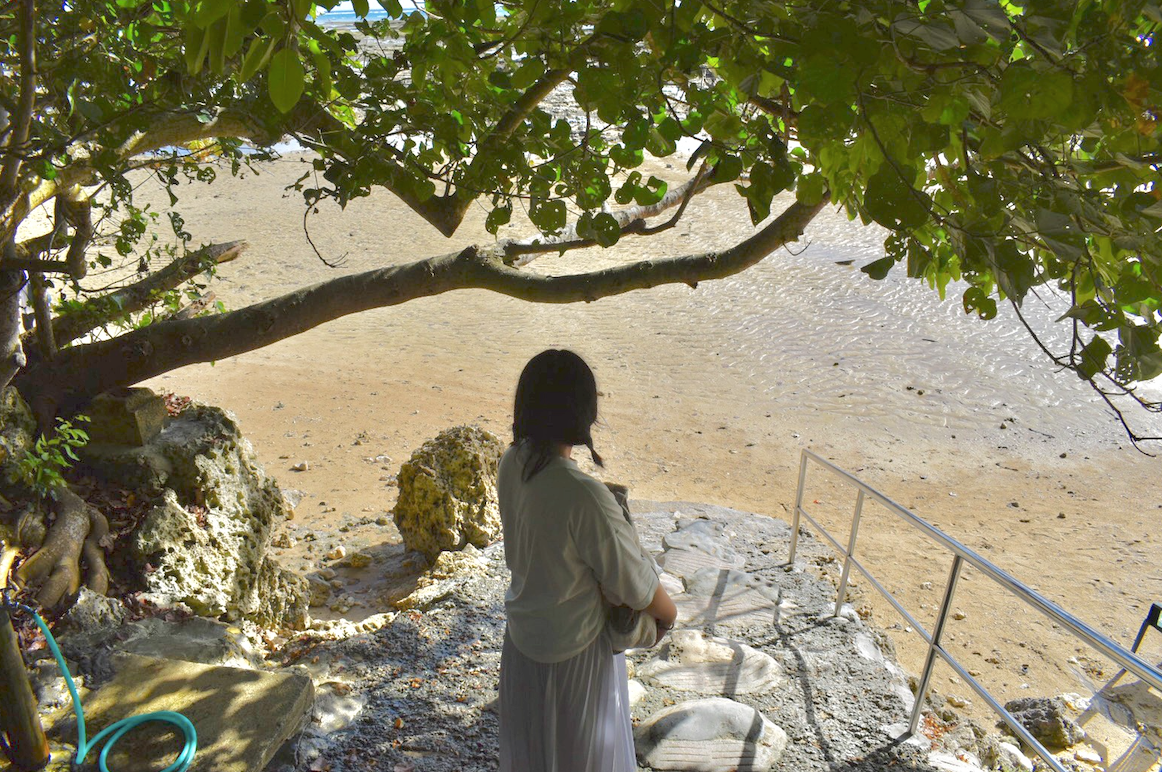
x: 570, y: 716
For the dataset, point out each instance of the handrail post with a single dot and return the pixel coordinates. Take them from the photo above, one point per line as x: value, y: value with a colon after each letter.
x: 798, y: 507
x: 850, y: 551
x: 937, y: 634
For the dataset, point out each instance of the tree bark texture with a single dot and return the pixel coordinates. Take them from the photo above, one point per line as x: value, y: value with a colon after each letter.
x: 19, y: 719
x: 11, y: 352
x: 82, y: 372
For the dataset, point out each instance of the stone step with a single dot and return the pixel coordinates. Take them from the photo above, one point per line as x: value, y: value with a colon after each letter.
x: 722, y: 600
x: 685, y: 563
x: 694, y: 662
x: 241, y: 716
x: 709, y: 735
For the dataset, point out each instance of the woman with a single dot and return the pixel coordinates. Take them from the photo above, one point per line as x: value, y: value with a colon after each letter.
x: 564, y: 702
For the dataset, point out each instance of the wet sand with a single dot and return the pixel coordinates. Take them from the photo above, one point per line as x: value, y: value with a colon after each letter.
x: 708, y: 395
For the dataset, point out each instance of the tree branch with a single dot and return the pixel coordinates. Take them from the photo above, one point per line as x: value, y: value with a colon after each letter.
x: 83, y: 371
x: 75, y: 208
x: 167, y: 129
x: 42, y: 309
x: 127, y: 300
x: 21, y: 120
x: 775, y: 108
x: 631, y: 221
x: 455, y: 205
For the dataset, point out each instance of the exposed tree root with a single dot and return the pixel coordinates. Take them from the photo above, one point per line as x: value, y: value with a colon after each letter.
x: 56, y: 566
x: 93, y: 553
x: 31, y: 527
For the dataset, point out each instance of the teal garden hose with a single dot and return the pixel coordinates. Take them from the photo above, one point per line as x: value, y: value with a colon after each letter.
x: 111, y: 734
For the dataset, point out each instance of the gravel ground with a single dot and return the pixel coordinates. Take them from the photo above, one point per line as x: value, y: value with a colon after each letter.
x: 411, y: 690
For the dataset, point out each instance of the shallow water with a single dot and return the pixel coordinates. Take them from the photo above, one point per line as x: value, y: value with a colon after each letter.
x: 798, y: 332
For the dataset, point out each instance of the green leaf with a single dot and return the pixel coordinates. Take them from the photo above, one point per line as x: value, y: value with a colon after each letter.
x: 528, y: 73
x: 605, y: 229
x: 196, y: 45
x: 810, y: 189
x: 217, y: 35
x: 728, y: 168
x: 894, y: 203
x: 651, y: 193
x: 549, y: 216
x: 624, y: 157
x: 361, y: 8
x: 1027, y: 92
x: 497, y: 217
x: 976, y: 299
x: 635, y: 134
x: 256, y: 57
x: 209, y: 11
x: 1014, y: 271
x: 824, y: 78
x: 1093, y: 357
x: 393, y: 7
x: 285, y: 80
x: 878, y: 269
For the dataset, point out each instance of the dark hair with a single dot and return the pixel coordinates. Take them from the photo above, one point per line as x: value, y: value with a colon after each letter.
x: 556, y: 404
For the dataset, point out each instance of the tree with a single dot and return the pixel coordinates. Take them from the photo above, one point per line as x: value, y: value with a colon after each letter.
x: 1012, y: 149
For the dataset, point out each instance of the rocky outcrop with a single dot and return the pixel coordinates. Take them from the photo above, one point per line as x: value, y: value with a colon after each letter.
x: 1047, y: 720
x: 206, y: 544
x: 447, y: 492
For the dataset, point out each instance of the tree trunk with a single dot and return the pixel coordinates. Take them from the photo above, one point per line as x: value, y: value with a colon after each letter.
x: 11, y: 352
x: 81, y: 372
x: 19, y: 719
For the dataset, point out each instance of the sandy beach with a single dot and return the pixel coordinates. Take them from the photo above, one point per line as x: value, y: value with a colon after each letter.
x: 708, y: 395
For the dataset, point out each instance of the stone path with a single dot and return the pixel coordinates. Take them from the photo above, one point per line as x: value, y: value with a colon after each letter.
x: 759, y: 676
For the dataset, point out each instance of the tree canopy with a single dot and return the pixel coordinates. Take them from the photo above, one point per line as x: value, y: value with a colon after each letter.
x: 1010, y: 150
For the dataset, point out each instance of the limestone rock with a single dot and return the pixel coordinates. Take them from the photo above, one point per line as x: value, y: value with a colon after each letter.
x: 319, y: 590
x: 92, y: 614
x: 207, y: 542
x: 1006, y: 757
x: 447, y: 492
x: 193, y: 639
x: 694, y: 662
x: 356, y: 560
x: 709, y: 735
x: 279, y: 597
x: 1046, y: 720
x: 439, y: 581
x: 126, y: 417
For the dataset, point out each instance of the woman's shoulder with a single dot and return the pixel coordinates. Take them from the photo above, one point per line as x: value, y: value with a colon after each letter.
x: 587, y: 486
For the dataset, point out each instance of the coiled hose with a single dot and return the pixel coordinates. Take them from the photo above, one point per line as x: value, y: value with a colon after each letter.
x: 111, y: 734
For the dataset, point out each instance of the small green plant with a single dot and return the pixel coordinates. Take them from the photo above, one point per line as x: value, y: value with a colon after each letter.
x: 42, y: 468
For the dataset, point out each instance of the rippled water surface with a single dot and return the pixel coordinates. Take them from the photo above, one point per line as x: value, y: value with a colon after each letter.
x: 800, y: 331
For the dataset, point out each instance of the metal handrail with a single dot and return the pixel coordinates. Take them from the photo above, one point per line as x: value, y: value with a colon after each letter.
x: 961, y: 554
